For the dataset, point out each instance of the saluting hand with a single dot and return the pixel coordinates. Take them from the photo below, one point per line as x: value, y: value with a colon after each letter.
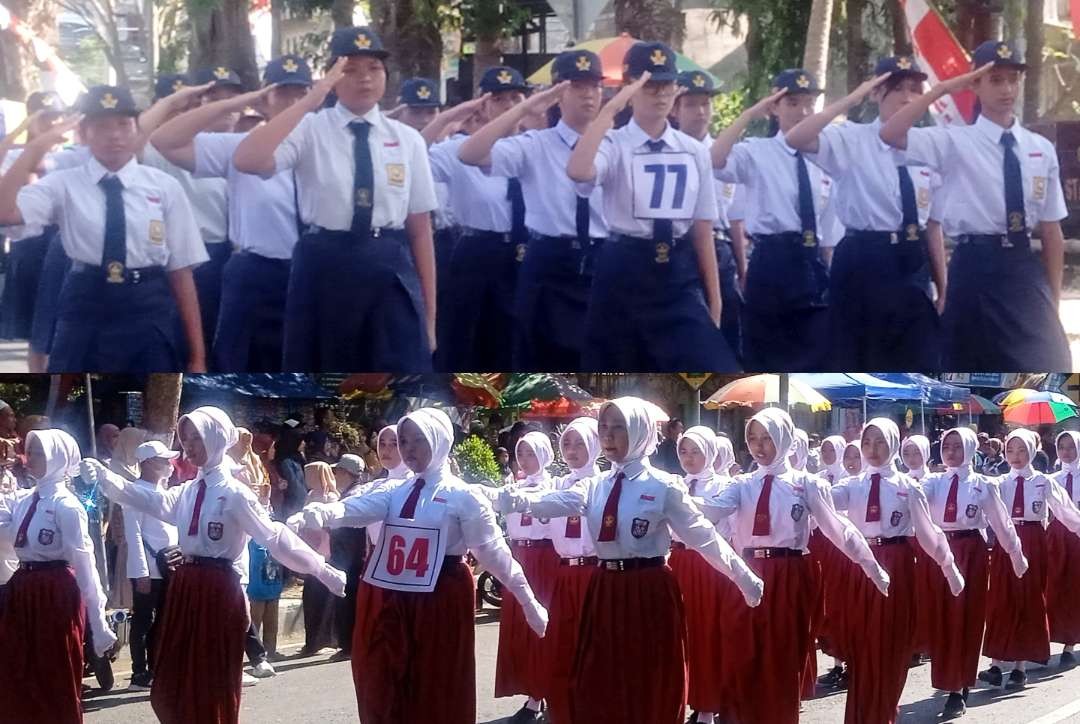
x: 622, y: 98
x: 56, y: 134
x: 964, y: 81
x: 545, y: 99
x: 865, y: 88
x: 764, y: 107
x: 324, y: 85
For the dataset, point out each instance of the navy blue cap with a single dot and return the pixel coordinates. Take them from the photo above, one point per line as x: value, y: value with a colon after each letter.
x: 900, y: 66
x: 420, y: 93
x: 697, y: 82
x: 796, y: 80
x: 287, y: 70
x: 502, y: 78
x: 999, y: 53
x: 219, y: 75
x: 44, y: 101
x: 102, y: 100
x: 357, y: 41
x: 576, y: 65
x: 657, y: 58
x: 167, y: 84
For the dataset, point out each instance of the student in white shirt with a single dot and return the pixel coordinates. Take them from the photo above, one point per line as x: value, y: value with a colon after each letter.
x: 915, y: 455
x: 1063, y: 552
x: 205, y: 605
x: 41, y: 622
x: 1003, y: 182
x: 832, y: 567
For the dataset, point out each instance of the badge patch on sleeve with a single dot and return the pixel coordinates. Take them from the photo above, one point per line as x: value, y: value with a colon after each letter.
x: 971, y: 511
x: 1038, y: 187
x: 895, y: 518
x: 395, y: 174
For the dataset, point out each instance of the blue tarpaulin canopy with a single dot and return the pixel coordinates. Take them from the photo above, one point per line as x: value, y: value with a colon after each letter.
x: 293, y: 386
x: 840, y: 386
x: 934, y: 391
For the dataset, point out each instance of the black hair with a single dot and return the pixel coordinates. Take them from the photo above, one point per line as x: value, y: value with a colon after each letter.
x: 288, y: 444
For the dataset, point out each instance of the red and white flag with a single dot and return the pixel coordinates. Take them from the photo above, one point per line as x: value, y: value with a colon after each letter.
x: 941, y: 57
x: 1074, y: 13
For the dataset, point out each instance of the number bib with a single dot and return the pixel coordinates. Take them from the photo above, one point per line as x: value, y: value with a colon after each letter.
x: 665, y: 185
x: 407, y: 557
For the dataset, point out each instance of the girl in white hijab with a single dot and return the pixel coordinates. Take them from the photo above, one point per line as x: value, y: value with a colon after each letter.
x: 200, y: 650
x: 413, y: 658
x: 770, y: 511
x: 1016, y: 629
x: 725, y: 456
x: 633, y: 612
x: 832, y: 457
x: 1064, y: 555
x: 852, y: 458
x: 915, y: 452
x: 832, y: 567
x: 879, y: 631
x: 41, y: 621
x: 800, y: 451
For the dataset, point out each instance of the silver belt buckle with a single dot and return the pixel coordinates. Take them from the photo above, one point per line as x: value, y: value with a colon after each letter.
x: 376, y: 232
x: 893, y: 238
x: 761, y: 553
x: 613, y: 565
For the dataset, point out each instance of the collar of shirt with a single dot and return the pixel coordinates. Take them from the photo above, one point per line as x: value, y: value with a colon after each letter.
x: 1072, y: 467
x: 961, y: 472
x: 589, y: 471
x: 631, y: 469
x: 51, y: 489
x: 216, y: 475
x: 567, y: 134
x: 874, y: 127
x: 345, y: 116
x: 992, y: 130
x: 1028, y: 473
x: 638, y: 136
x: 126, y: 174
x: 887, y: 471
x: 779, y: 137
x: 536, y: 480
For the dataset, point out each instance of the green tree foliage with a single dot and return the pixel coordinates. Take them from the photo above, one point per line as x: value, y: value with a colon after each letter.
x: 476, y: 460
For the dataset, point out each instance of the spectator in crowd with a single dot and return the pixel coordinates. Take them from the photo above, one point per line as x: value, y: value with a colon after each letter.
x: 506, y: 473
x: 125, y: 464
x: 252, y: 471
x: 348, y: 547
x: 318, y: 603
x: 107, y: 436
x: 994, y: 462
x: 667, y: 453
x: 265, y: 583
x: 289, y: 460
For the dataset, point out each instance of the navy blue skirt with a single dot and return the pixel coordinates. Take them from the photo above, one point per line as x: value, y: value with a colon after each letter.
x: 251, y: 321
x: 25, y: 261
x: 730, y: 294
x: 48, y: 299
x: 208, y: 288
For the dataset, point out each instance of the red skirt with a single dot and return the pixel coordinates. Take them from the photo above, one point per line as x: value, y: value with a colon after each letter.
x: 1016, y: 625
x: 521, y: 666
x: 199, y: 658
x: 413, y: 653
x: 630, y: 664
x: 957, y: 622
x: 564, y: 618
x: 41, y: 637
x: 703, y: 590
x: 765, y: 679
x: 884, y: 627
x: 835, y: 569
x: 926, y: 571
x: 1063, y: 571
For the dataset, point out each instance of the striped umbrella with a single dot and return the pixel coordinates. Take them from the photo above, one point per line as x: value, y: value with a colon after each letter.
x: 1041, y: 408
x: 611, y: 52
x: 761, y: 390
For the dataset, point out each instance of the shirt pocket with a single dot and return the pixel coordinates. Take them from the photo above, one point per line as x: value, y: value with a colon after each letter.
x: 1036, y: 170
x: 646, y: 514
x: 150, y: 229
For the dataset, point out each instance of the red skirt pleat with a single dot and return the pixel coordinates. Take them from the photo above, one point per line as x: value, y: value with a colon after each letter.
x: 521, y: 665
x: 1017, y: 628
x: 957, y: 622
x: 703, y: 591
x: 1063, y: 572
x: 413, y: 656
x: 630, y: 664
x: 41, y: 637
x: 835, y: 570
x: 765, y: 679
x: 199, y: 658
x: 926, y: 570
x: 885, y: 629
x: 564, y: 619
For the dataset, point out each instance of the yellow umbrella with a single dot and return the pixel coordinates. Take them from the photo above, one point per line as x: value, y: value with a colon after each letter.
x: 761, y: 390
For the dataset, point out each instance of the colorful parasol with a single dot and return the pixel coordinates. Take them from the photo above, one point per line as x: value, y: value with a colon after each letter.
x: 1041, y: 408
x: 762, y: 390
x: 975, y: 405
x: 611, y: 52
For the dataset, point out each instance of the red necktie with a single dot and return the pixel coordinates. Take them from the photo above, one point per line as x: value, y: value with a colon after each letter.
x: 1068, y: 485
x: 1018, y: 498
x: 408, y: 511
x: 193, y: 526
x: 762, y: 519
x: 573, y: 526
x: 20, y: 537
x: 693, y: 487
x: 611, y: 511
x: 950, y: 502
x: 873, y: 503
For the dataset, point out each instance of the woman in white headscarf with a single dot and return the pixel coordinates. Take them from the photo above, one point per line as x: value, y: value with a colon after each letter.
x: 521, y: 666
x: 887, y: 507
x: 800, y: 451
x: 725, y: 457
x: 770, y: 510
x: 41, y: 619
x: 915, y: 452
x: 832, y: 456
x: 852, y: 458
x: 124, y: 463
x: 1063, y: 553
x: 962, y: 503
x: 413, y: 656
x: 1016, y: 623
x: 633, y: 612
x: 199, y: 657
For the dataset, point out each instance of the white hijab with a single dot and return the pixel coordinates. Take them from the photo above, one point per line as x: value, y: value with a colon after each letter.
x: 1030, y: 441
x: 922, y: 444
x: 971, y: 443
x: 1074, y: 466
x: 438, y: 431
x: 586, y: 429
x: 540, y: 445
x: 62, y: 456
x: 401, y: 470
x: 641, y: 419
x: 705, y: 440
x: 725, y: 456
x: 891, y: 433
x: 218, y: 435
x: 837, y: 443
x: 800, y: 450
x: 781, y: 430
x: 858, y: 449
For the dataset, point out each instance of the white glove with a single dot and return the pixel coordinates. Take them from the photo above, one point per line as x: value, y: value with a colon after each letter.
x: 503, y: 502
x: 88, y: 471
x: 314, y: 516
x: 956, y: 581
x: 295, y: 522
x: 333, y: 579
x: 1019, y: 563
x: 751, y: 587
x: 103, y: 641
x: 537, y: 618
x: 880, y: 578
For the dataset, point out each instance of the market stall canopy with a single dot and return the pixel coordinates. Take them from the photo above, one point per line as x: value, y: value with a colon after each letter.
x: 851, y: 386
x: 288, y: 385
x: 934, y: 392
x: 762, y: 390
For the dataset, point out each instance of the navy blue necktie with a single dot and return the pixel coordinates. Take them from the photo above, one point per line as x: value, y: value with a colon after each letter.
x: 581, y: 221
x: 662, y: 228
x: 1014, y: 189
x: 363, y: 178
x: 518, y: 234
x: 115, y: 248
x: 908, y: 205
x: 807, y: 215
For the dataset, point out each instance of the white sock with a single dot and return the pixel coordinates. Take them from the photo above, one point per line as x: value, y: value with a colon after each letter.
x: 998, y: 663
x: 1069, y: 647
x: 533, y: 704
x: 705, y: 717
x: 837, y: 663
x: 1020, y: 666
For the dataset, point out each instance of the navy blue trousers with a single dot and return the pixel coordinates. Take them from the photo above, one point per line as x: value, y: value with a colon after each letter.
x: 48, y: 299
x: 25, y: 262
x: 208, y: 288
x: 251, y: 321
x: 730, y: 294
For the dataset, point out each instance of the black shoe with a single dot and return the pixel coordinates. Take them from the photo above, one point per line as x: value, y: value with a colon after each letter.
x: 693, y: 718
x: 341, y: 655
x: 1017, y: 679
x: 954, y: 706
x: 965, y: 694
x: 525, y: 715
x: 141, y: 682
x: 991, y: 676
x: 832, y: 677
x: 1067, y: 660
x: 843, y: 682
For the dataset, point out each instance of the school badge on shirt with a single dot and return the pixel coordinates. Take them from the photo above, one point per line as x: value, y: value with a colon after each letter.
x: 797, y: 512
x: 1038, y: 187
x: 115, y: 273
x: 214, y: 530
x: 395, y: 174
x: 639, y: 527
x: 663, y: 253
x: 45, y: 536
x: 157, y: 231
x: 971, y: 511
x: 895, y: 518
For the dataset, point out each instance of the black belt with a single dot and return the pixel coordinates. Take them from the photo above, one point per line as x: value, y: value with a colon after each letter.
x: 530, y: 543
x: 788, y: 237
x: 504, y: 237
x: 1004, y: 241
x: 41, y: 565
x: 1020, y: 523
x: 579, y: 561
x: 646, y: 240
x: 207, y: 561
x: 915, y: 234
x: 377, y: 232
x: 772, y: 553
x: 879, y: 541
x: 966, y: 533
x: 261, y: 257
x: 629, y: 564
x: 568, y: 242
x: 120, y: 274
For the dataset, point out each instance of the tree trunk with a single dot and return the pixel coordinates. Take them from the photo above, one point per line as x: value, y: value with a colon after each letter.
x: 221, y: 35
x: 1034, y: 40
x: 816, y: 57
x: 277, y: 7
x: 901, y: 38
x: 858, y: 50
x: 488, y: 54
x: 974, y: 22
x: 341, y: 12
x: 161, y: 404
x: 412, y: 36
x: 651, y: 20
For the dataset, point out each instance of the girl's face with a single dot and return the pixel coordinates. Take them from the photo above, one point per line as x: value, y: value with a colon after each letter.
x: 574, y: 450
x: 793, y: 108
x: 852, y: 460
x: 35, y: 459
x: 527, y: 459
x: 889, y: 102
x: 690, y: 457
x: 761, y: 446
x: 389, y: 455
x: 952, y: 450
x: 192, y: 442
x: 828, y: 453
x: 875, y: 448
x: 614, y: 437
x: 654, y: 100
x: 999, y: 89
x: 415, y: 450
x: 1017, y: 455
x: 912, y: 457
x: 1066, y: 449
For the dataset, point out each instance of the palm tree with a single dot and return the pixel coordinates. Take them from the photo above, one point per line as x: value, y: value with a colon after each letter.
x: 161, y: 404
x: 816, y: 57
